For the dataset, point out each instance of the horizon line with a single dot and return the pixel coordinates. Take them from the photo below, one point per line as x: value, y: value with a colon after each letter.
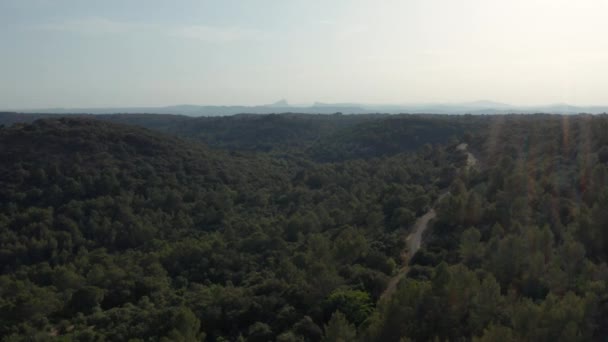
x: 313, y: 104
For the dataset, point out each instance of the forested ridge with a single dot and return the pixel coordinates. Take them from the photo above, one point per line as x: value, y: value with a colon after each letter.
x: 183, y: 232
x: 321, y: 138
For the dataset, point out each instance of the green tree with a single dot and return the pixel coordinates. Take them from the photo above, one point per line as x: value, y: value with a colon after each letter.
x: 497, y: 333
x: 356, y: 305
x: 486, y: 305
x: 471, y: 250
x: 183, y: 326
x: 338, y: 329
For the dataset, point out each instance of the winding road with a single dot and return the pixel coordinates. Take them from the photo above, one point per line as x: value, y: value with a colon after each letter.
x: 413, y: 242
x: 471, y: 160
x: 414, y: 239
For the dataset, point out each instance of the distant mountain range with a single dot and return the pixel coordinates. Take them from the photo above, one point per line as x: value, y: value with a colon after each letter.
x: 282, y: 106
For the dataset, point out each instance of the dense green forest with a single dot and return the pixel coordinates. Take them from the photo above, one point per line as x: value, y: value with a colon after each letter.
x: 290, y: 227
x: 323, y: 138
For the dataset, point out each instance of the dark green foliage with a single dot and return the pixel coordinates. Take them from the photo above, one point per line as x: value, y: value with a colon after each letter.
x: 110, y: 232
x: 113, y: 232
x: 318, y: 137
x: 526, y: 254
x: 356, y: 305
x: 338, y: 329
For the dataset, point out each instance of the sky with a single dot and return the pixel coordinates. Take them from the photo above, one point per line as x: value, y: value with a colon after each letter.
x: 81, y: 53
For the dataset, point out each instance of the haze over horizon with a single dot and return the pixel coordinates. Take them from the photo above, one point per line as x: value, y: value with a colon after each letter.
x: 284, y: 104
x: 136, y: 53
x: 288, y: 104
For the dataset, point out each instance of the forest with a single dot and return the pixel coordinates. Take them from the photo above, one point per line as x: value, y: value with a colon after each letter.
x: 290, y: 227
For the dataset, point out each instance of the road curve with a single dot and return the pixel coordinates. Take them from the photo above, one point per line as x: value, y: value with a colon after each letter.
x: 413, y: 242
x: 414, y: 239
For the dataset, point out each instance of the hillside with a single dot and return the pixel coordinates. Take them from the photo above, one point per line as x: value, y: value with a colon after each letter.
x: 112, y: 232
x: 319, y: 137
x: 117, y: 232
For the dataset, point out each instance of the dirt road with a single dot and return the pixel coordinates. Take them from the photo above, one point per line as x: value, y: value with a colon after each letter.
x: 471, y: 160
x: 414, y: 239
x: 413, y: 242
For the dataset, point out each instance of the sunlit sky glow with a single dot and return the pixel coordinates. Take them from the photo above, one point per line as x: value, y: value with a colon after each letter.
x: 78, y: 53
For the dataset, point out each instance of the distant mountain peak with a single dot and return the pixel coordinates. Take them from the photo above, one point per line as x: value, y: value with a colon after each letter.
x: 280, y: 103
x: 487, y: 103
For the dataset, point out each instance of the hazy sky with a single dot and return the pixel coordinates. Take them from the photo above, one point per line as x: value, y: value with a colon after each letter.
x: 159, y: 52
